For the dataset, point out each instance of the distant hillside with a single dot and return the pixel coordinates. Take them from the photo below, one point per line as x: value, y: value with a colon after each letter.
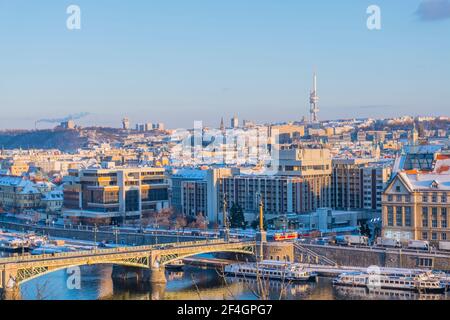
x: 66, y: 140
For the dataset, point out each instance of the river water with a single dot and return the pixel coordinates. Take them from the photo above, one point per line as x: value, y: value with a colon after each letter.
x: 192, y: 284
x: 95, y: 283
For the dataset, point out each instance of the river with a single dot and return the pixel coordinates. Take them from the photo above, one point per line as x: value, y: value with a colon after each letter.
x: 95, y: 283
x: 193, y: 283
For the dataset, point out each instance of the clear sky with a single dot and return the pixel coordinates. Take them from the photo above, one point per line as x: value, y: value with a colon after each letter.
x: 176, y: 61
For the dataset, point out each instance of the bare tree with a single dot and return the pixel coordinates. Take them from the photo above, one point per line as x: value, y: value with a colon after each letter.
x: 179, y: 221
x: 161, y: 218
x: 199, y: 222
x: 40, y: 291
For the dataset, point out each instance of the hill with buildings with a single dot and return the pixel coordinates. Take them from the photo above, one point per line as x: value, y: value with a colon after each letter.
x: 65, y: 140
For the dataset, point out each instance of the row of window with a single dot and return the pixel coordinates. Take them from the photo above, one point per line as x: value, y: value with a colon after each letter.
x: 434, y: 198
x: 434, y: 236
x: 434, y: 217
x: 425, y: 198
x: 402, y: 215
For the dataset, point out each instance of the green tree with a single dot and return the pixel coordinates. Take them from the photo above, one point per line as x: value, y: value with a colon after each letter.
x: 237, y: 218
x: 255, y: 224
x: 365, y: 230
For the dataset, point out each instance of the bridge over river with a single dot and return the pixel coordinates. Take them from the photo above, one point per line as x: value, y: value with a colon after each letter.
x: 17, y: 270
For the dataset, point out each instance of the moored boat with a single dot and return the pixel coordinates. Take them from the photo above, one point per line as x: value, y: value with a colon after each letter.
x: 14, y: 245
x: 271, y: 270
x: 177, y: 265
x: 420, y: 282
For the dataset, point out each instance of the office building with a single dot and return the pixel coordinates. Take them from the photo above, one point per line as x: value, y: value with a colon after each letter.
x: 115, y: 195
x: 359, y: 183
x: 195, y: 191
x: 416, y: 204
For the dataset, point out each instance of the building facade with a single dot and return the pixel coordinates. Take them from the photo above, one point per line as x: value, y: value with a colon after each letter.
x: 115, y: 195
x: 195, y: 191
x: 280, y: 194
x: 416, y: 207
x: 359, y: 183
x: 301, y: 184
x: 19, y: 195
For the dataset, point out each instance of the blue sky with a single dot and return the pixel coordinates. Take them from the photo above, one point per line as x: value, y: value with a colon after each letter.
x: 176, y: 61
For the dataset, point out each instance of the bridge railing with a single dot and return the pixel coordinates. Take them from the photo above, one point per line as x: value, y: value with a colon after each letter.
x: 93, y: 252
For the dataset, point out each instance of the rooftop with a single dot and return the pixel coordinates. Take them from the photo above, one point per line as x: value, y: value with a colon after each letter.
x: 423, y: 181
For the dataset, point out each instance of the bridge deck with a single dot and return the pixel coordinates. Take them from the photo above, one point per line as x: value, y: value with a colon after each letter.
x: 123, y: 252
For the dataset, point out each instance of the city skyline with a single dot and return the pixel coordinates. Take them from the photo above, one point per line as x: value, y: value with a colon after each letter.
x: 176, y: 63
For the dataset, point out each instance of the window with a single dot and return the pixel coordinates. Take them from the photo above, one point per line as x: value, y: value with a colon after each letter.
x: 390, y: 197
x: 434, y: 198
x: 390, y: 216
x: 444, y: 198
x: 443, y: 217
x: 425, y: 262
x: 425, y: 198
x: 434, y: 236
x: 425, y: 217
x: 444, y: 236
x: 399, y: 198
x: 424, y: 235
x: 434, y: 221
x: 399, y: 216
x: 407, y: 216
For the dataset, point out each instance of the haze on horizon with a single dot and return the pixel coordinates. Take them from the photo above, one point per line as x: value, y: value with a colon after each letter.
x: 179, y: 61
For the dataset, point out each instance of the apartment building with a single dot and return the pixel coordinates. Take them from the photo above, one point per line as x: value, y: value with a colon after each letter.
x: 359, y: 183
x: 19, y: 195
x: 195, y: 191
x: 280, y: 194
x: 301, y: 184
x: 14, y: 167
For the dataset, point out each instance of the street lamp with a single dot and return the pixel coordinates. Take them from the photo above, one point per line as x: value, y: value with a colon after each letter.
x: 23, y: 241
x: 95, y: 234
x: 116, y: 232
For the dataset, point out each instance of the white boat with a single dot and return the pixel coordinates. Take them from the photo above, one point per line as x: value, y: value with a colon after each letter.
x: 51, y: 249
x: 271, y: 270
x: 176, y: 265
x: 13, y: 245
x: 382, y: 294
x: 424, y: 282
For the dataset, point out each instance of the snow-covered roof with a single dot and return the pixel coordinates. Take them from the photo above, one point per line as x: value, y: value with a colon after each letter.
x: 196, y: 174
x: 29, y: 188
x: 442, y: 165
x: 12, y: 181
x: 427, y: 181
x: 53, y: 195
x: 427, y: 148
x: 26, y: 186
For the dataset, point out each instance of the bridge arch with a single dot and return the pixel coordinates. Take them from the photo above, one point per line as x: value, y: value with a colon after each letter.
x: 26, y: 269
x: 26, y: 275
x: 166, y: 258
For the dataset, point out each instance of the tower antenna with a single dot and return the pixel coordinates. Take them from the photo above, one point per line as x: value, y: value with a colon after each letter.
x: 313, y: 101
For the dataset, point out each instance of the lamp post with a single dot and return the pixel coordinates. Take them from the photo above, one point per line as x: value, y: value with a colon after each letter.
x: 95, y: 234
x: 23, y: 241
x: 116, y: 233
x: 226, y: 231
x: 261, y: 235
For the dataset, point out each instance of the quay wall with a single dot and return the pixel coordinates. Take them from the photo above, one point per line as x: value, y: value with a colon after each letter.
x: 393, y: 258
x: 128, y: 238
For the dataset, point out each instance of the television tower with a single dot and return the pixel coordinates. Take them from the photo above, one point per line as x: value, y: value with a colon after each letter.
x: 313, y: 101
